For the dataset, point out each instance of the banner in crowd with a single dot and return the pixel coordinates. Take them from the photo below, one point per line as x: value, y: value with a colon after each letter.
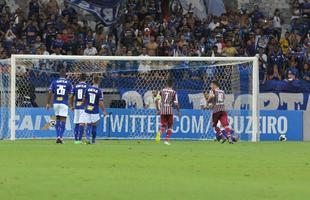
x: 143, y: 124
x: 203, y: 8
x: 105, y: 10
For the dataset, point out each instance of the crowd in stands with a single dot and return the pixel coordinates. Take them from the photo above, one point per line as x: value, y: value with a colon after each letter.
x: 143, y: 30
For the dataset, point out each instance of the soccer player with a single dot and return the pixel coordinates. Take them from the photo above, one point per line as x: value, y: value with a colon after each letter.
x: 166, y: 99
x: 216, y: 99
x: 78, y: 107
x: 93, y: 101
x: 60, y: 89
x: 234, y: 135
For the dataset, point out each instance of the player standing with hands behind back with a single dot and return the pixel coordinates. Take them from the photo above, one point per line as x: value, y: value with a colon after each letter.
x: 93, y: 101
x: 216, y: 99
x: 61, y: 89
x: 77, y: 105
x: 166, y: 99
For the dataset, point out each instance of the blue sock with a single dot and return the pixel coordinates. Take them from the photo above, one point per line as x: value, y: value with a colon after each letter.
x: 76, y: 131
x: 57, y: 127
x: 94, y: 134
x: 62, y: 128
x: 88, y: 131
x: 81, y: 132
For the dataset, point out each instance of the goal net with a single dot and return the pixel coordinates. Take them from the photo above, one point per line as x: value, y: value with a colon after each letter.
x: 130, y: 85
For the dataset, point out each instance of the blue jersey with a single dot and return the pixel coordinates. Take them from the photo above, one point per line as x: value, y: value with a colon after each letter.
x: 78, y: 93
x: 61, y: 88
x: 93, y: 96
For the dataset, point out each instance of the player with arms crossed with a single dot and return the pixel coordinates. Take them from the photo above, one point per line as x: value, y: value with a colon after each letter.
x: 60, y: 89
x: 216, y: 99
x: 77, y: 105
x: 166, y: 99
x: 93, y: 101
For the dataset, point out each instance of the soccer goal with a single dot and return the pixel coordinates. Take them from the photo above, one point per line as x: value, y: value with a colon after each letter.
x: 130, y: 85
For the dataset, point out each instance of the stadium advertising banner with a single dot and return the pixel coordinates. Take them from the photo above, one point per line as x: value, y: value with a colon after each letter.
x: 143, y: 124
x: 190, y: 100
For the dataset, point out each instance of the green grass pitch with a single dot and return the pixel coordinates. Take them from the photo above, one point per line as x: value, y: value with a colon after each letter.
x: 143, y: 170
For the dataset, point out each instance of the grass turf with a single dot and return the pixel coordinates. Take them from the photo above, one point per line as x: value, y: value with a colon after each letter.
x: 143, y: 170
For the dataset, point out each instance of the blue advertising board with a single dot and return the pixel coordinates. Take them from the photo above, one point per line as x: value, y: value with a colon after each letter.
x: 143, y: 124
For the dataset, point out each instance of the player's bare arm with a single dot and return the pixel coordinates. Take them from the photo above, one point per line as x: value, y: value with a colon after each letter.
x: 210, y: 97
x: 49, y: 100
x: 101, y: 105
x: 157, y: 105
x: 71, y: 100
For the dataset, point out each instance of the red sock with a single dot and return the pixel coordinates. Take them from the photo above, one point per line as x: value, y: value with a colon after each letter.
x: 227, y: 130
x: 169, y: 132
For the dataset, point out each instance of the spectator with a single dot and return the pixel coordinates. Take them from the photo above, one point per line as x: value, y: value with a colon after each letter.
x: 284, y: 42
x: 52, y: 7
x: 250, y: 47
x: 90, y: 49
x: 306, y: 72
x: 274, y: 73
x: 9, y: 38
x: 213, y: 24
x: 69, y: 11
x: 291, y: 76
x: 229, y: 50
x: 34, y: 9
x: 152, y: 47
x: 163, y: 49
x: 2, y: 5
x: 277, y: 26
x: 219, y: 43
x: 32, y: 31
x: 257, y: 14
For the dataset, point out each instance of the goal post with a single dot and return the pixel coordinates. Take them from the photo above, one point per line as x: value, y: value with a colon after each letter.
x: 85, y: 64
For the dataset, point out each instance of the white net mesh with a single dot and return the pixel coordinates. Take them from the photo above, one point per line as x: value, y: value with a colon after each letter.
x: 136, y: 82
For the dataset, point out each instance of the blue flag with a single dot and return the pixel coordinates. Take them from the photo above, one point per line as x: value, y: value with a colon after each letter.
x: 106, y: 11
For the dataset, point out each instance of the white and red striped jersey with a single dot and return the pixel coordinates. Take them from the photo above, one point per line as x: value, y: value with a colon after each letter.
x: 218, y: 100
x: 168, y: 98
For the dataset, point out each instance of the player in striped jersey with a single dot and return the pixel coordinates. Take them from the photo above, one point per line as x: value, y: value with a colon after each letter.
x: 216, y: 99
x: 166, y: 99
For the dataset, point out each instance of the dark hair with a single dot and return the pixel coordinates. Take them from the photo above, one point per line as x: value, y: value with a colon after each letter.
x: 216, y: 83
x: 62, y: 73
x: 96, y: 79
x: 83, y: 77
x: 169, y: 82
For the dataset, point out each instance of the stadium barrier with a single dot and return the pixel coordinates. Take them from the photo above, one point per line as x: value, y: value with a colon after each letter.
x: 121, y: 124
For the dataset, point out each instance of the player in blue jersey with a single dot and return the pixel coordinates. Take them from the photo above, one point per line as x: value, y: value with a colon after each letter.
x: 77, y: 105
x: 234, y: 136
x: 93, y: 101
x: 61, y: 90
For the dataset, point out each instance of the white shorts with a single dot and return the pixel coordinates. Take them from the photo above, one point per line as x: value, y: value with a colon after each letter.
x: 79, y: 116
x: 92, y: 118
x: 61, y: 110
